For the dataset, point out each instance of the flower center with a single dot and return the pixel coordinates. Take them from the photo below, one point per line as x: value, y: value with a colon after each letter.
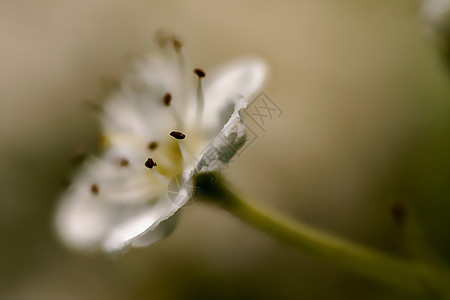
x: 168, y: 154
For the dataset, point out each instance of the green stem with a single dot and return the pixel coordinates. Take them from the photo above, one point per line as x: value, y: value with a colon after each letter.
x: 411, y: 275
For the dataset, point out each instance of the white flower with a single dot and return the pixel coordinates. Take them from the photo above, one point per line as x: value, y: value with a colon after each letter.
x: 163, y: 121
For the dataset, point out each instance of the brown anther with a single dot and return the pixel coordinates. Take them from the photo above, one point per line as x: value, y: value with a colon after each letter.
x: 177, y: 44
x: 199, y: 72
x: 152, y: 146
x: 167, y: 99
x: 178, y: 135
x: 94, y: 189
x: 124, y: 162
x: 150, y: 163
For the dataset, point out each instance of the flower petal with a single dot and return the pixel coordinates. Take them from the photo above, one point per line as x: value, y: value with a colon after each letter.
x: 148, y: 226
x: 165, y: 228
x: 233, y: 85
x: 137, y: 108
x: 104, y: 195
x: 225, y: 97
x: 225, y: 145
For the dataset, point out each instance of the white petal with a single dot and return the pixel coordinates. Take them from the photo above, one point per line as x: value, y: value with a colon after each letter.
x: 165, y: 228
x: 82, y: 221
x: 122, y: 233
x: 137, y: 108
x: 147, y: 227
x: 85, y: 218
x: 225, y: 145
x: 225, y: 96
x: 233, y: 85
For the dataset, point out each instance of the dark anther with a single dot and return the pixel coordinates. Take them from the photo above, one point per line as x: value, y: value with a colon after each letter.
x: 153, y: 145
x: 178, y: 135
x: 167, y: 99
x: 176, y: 44
x: 94, y: 189
x: 150, y: 163
x: 199, y: 72
x: 124, y: 162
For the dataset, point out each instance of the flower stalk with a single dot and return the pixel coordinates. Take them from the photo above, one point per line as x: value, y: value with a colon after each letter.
x: 416, y: 276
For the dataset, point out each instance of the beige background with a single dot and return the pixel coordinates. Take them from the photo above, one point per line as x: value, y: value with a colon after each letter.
x: 364, y: 98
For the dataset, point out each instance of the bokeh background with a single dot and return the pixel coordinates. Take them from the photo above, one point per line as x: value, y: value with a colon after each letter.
x: 361, y: 150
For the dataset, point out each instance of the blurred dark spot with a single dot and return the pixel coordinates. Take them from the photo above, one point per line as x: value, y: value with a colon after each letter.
x: 176, y: 44
x: 152, y: 146
x: 167, y: 99
x: 398, y: 212
x: 124, y: 162
x: 94, y: 189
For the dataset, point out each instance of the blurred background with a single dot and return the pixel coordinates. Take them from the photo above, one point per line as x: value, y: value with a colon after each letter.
x: 361, y: 149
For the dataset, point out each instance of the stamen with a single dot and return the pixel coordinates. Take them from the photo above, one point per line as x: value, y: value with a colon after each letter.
x: 167, y: 99
x: 181, y: 136
x: 184, y: 153
x: 152, y: 146
x: 94, y: 189
x: 200, y: 100
x: 163, y: 179
x: 150, y: 163
x: 124, y: 162
x: 178, y: 135
x: 177, y: 44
